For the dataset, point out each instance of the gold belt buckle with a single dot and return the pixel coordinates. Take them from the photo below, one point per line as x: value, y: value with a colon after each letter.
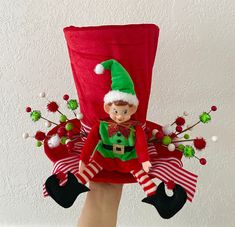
x: 118, y: 149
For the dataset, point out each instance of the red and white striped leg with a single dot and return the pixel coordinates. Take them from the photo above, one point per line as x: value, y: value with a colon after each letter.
x: 145, y: 181
x: 89, y: 172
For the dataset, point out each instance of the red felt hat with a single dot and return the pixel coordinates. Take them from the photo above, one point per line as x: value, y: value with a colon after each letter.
x: 134, y: 46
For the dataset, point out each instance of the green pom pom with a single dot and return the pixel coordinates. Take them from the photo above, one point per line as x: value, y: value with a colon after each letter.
x: 205, y: 117
x: 69, y: 126
x: 35, y: 115
x: 189, y: 151
x: 63, y: 118
x: 166, y: 140
x: 38, y: 143
x: 72, y: 104
x: 186, y: 136
x: 181, y: 147
x: 63, y: 140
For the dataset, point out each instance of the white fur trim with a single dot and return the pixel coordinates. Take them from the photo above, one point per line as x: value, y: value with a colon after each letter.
x: 118, y: 95
x: 99, y: 69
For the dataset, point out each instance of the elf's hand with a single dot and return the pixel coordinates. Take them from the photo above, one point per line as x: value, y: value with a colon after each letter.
x: 146, y: 166
x: 81, y: 166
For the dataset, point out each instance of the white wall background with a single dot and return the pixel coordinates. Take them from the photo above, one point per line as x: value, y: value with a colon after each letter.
x: 194, y: 69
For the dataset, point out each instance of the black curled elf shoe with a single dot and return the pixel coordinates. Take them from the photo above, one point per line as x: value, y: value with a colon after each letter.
x: 65, y: 195
x: 167, y: 206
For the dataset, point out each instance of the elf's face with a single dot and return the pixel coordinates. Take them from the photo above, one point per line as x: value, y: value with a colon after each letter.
x: 119, y: 113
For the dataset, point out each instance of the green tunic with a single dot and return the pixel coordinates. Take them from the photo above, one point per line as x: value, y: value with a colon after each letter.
x: 116, y: 139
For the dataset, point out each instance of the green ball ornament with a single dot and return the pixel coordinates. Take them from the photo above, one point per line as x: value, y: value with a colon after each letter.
x: 72, y: 104
x: 69, y: 126
x: 166, y: 140
x: 63, y: 140
x: 186, y: 136
x: 189, y: 151
x: 35, y: 115
x: 63, y: 118
x: 205, y: 117
x: 181, y: 147
x: 38, y: 143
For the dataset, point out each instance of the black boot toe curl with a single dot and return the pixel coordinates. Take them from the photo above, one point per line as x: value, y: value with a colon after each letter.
x: 65, y: 195
x: 167, y: 206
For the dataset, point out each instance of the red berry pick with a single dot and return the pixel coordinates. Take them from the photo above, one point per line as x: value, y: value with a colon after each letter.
x: 40, y: 135
x: 214, y: 108
x: 180, y: 121
x: 199, y: 143
x: 28, y: 109
x: 70, y: 134
x: 159, y: 135
x: 61, y: 131
x: 202, y: 161
x: 178, y: 128
x: 65, y: 97
x: 52, y: 106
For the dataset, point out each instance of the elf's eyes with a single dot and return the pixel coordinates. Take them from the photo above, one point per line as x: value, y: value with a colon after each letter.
x: 115, y: 111
x: 125, y: 111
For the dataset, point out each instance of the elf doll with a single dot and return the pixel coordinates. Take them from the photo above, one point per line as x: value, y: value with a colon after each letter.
x: 115, y: 144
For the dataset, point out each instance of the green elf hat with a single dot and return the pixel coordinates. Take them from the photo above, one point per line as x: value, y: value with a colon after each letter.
x: 122, y: 84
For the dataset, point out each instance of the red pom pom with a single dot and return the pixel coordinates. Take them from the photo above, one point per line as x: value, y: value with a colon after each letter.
x: 61, y: 131
x: 61, y: 176
x: 202, y: 161
x: 28, y: 109
x: 52, y: 106
x: 170, y: 185
x: 70, y: 145
x: 65, y: 97
x: 159, y: 135
x: 70, y: 134
x: 179, y: 128
x: 180, y: 121
x: 173, y: 135
x: 213, y: 108
x: 40, y: 135
x: 199, y: 143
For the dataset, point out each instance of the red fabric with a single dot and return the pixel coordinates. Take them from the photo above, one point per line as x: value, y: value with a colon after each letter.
x: 116, y: 164
x: 141, y: 145
x: 134, y: 46
x: 91, y: 142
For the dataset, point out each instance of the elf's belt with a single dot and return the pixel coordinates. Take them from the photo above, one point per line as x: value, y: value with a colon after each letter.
x: 118, y: 148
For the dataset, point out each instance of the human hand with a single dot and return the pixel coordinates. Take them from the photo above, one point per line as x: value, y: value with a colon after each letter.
x: 146, y: 166
x: 101, y: 205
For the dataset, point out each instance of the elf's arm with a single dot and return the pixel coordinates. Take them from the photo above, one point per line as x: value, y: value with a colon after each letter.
x: 90, y: 144
x: 141, y: 147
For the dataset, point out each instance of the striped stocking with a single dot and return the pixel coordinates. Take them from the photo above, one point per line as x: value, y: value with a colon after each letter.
x: 145, y: 181
x: 89, y: 172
